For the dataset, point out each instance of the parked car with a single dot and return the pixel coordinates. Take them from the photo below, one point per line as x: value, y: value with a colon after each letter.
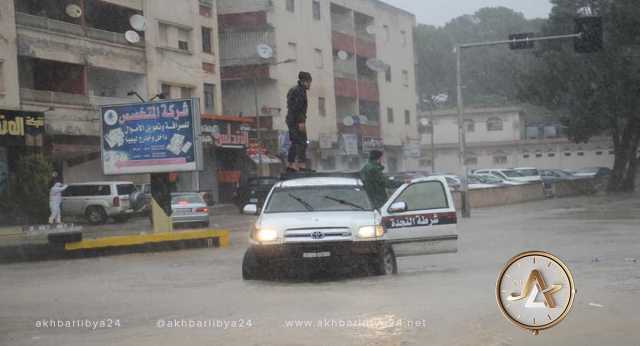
x: 504, y: 173
x: 498, y: 179
x: 189, y: 208
x: 529, y: 174
x: 255, y: 191
x: 483, y: 181
x: 551, y: 175
x: 145, y: 190
x: 592, y: 172
x: 97, y: 201
x: 454, y: 182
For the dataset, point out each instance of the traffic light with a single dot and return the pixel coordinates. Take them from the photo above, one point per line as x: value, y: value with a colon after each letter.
x: 517, y: 42
x: 590, y: 29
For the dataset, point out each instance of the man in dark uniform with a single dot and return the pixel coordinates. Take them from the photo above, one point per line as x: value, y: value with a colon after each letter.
x: 296, y: 122
x: 375, y: 182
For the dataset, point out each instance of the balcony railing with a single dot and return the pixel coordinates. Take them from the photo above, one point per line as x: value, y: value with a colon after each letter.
x: 239, y: 48
x: 58, y: 26
x: 53, y: 97
x: 344, y: 68
x: 240, y: 6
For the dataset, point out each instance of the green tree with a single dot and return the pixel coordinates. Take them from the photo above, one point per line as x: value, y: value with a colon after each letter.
x: 29, y: 189
x: 595, y: 94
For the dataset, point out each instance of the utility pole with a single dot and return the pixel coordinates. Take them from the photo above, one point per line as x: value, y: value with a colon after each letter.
x: 466, y: 207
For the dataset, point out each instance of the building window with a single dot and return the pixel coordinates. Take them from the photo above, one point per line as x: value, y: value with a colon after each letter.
x: 185, y: 92
x: 580, y: 153
x: 322, y: 106
x: 183, y: 39
x: 206, y: 40
x: 471, y: 125
x: 500, y: 160
x: 390, y: 115
x: 551, y: 155
x: 407, y: 117
x: 567, y: 154
x: 471, y: 161
x: 526, y: 156
x: 319, y: 60
x: 610, y: 152
x: 387, y: 74
x: 403, y: 35
x: 293, y: 50
x: 598, y: 153
x: 538, y: 154
x: 209, y: 67
x: 316, y: 10
x: 405, y: 78
x: 209, y: 97
x: 494, y: 124
x: 291, y: 6
x: 166, y: 91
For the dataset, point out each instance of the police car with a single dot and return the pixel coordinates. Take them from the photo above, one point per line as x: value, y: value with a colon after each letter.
x: 328, y: 221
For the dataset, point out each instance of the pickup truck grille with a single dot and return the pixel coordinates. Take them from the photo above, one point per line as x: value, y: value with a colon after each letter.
x: 317, y: 234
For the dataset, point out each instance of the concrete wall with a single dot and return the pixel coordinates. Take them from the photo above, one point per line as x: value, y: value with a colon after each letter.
x: 503, y: 195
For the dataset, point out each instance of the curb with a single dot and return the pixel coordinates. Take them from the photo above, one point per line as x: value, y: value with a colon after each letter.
x: 105, y: 246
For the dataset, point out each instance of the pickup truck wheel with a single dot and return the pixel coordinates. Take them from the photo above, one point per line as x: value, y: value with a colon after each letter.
x: 386, y: 263
x: 250, y: 268
x: 96, y: 215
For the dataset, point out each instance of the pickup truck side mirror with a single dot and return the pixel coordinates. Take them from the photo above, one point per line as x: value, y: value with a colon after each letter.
x: 398, y: 207
x: 250, y: 209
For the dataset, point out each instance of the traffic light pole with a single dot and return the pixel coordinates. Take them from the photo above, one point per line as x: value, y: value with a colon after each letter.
x: 466, y: 206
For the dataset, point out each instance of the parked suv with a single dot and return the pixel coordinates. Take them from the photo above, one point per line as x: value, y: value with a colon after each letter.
x: 97, y: 201
x: 330, y: 221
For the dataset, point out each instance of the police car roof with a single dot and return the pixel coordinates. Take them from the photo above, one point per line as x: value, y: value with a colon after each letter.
x: 321, y: 181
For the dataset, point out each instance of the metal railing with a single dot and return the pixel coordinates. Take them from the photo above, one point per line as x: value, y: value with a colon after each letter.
x: 53, y: 97
x: 241, y: 6
x: 239, y: 48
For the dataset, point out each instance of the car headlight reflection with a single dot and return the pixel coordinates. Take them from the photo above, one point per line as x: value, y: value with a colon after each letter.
x: 265, y: 235
x: 371, y: 231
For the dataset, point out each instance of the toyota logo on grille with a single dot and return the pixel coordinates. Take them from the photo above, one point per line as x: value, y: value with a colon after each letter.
x: 317, y: 235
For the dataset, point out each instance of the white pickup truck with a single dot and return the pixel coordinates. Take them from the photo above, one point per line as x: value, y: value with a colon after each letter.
x: 330, y: 221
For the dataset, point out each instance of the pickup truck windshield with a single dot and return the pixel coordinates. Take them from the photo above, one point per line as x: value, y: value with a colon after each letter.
x: 318, y: 198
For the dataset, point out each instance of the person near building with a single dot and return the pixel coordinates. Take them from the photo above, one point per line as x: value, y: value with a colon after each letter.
x: 375, y: 181
x: 55, y: 200
x: 296, y: 123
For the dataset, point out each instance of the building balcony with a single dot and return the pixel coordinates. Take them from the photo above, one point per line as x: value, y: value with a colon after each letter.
x: 242, y: 6
x: 62, y: 27
x: 362, y: 130
x: 248, y: 21
x: 239, y: 48
x: 366, y: 48
x: 368, y: 90
x: 343, y: 42
x: 344, y: 69
x: 244, y: 72
x: 53, y: 97
x: 346, y: 88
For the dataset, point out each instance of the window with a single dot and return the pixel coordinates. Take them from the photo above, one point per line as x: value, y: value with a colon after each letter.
x: 580, y: 153
x: 403, y: 35
x: 407, y: 117
x: 208, y: 67
x: 390, y: 115
x: 291, y: 5
x: 405, y: 77
x: 166, y: 91
x: 494, y: 124
x: 322, y: 106
x: 206, y: 40
x: 567, y: 154
x: 125, y: 189
x: 319, y: 60
x: 183, y: 39
x: 551, y: 155
x: 424, y: 196
x: 526, y: 156
x: 387, y: 74
x: 471, y: 125
x: 209, y: 97
x: 293, y: 50
x: 316, y: 10
x: 185, y: 92
x: 610, y: 152
x: 538, y: 154
x: 500, y: 160
x: 598, y: 153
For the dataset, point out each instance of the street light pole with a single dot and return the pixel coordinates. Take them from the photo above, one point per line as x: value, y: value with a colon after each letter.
x: 466, y: 208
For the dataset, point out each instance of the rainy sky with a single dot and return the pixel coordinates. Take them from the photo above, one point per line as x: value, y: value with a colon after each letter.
x: 439, y: 12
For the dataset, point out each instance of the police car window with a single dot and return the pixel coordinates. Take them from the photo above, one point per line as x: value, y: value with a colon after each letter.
x: 422, y: 196
x: 338, y: 198
x: 126, y: 189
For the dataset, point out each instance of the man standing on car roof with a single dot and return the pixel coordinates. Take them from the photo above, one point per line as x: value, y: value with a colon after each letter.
x: 375, y: 181
x: 296, y: 122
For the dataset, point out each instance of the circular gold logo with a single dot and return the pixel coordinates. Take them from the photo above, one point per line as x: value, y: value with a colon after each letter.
x: 535, y: 290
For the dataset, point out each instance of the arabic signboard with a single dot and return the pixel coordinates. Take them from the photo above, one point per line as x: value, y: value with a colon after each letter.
x: 371, y: 143
x: 18, y: 128
x: 228, y: 134
x: 152, y: 137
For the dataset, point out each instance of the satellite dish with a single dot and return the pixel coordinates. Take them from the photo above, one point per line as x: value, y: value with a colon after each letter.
x: 342, y: 55
x: 132, y: 37
x: 73, y: 11
x: 264, y: 51
x: 138, y: 22
x: 376, y: 65
x: 363, y: 119
x: 424, y: 121
x: 347, y: 121
x: 371, y: 29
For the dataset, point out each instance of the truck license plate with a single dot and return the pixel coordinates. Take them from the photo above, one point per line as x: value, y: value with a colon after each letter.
x: 316, y: 254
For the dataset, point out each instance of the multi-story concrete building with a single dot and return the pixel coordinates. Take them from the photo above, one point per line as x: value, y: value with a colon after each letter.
x: 352, y: 107
x: 67, y: 61
x: 507, y: 137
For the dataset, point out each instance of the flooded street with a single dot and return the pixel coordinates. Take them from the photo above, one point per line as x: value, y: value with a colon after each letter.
x: 198, y: 297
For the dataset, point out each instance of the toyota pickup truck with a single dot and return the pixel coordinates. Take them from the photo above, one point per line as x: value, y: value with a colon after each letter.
x: 330, y: 221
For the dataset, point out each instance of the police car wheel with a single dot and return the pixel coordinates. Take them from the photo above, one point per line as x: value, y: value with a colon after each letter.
x: 386, y: 262
x: 250, y: 268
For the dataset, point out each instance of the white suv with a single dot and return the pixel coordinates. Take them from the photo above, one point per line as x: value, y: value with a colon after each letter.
x: 97, y: 201
x: 330, y: 221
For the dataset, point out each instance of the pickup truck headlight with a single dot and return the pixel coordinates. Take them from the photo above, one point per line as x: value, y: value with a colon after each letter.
x: 265, y: 235
x: 371, y: 231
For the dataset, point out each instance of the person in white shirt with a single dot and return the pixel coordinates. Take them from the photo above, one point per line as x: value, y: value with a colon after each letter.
x: 55, y: 200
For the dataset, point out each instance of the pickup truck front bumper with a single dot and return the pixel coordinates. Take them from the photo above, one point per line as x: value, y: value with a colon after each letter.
x: 340, y: 252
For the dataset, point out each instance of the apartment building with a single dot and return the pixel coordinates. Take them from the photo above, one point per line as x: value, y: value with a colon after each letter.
x: 506, y: 137
x: 66, y: 58
x: 361, y: 56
